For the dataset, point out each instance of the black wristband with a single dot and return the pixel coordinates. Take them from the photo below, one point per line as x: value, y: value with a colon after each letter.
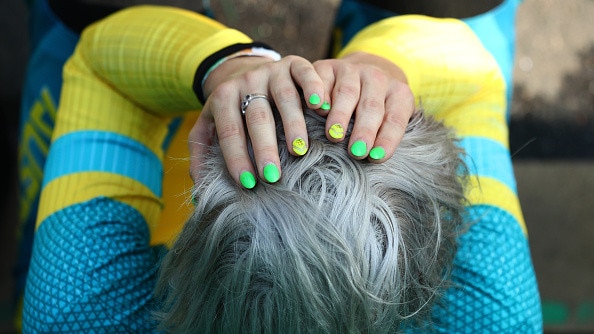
x: 210, y: 61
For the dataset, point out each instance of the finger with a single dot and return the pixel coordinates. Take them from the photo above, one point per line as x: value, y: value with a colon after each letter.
x: 369, y: 113
x: 326, y: 72
x: 262, y: 131
x: 304, y: 74
x: 231, y: 134
x: 345, y: 95
x: 399, y: 108
x: 288, y: 103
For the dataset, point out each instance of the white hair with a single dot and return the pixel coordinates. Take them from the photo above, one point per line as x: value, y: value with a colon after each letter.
x: 336, y: 246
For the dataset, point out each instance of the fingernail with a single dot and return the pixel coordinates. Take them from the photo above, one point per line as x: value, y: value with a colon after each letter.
x: 336, y: 131
x: 377, y: 153
x: 247, y: 180
x: 314, y: 98
x: 299, y: 146
x: 359, y: 148
x: 325, y: 106
x: 271, y: 173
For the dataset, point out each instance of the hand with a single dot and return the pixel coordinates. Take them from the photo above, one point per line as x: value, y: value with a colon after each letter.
x: 224, y: 88
x: 376, y: 91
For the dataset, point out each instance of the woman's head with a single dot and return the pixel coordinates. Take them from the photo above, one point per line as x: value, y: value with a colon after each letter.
x: 337, y: 245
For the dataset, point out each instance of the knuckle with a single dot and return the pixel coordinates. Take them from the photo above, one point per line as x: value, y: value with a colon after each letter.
x: 286, y: 94
x: 397, y: 120
x: 250, y: 78
x: 293, y: 58
x: 223, y: 91
x: 365, y: 131
x: 348, y: 91
x: 294, y: 125
x: 371, y: 104
x: 257, y: 115
x: 265, y: 150
x: 228, y: 131
x: 377, y: 75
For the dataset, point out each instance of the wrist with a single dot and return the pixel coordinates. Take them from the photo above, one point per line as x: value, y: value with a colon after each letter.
x: 230, y: 68
x: 226, y: 62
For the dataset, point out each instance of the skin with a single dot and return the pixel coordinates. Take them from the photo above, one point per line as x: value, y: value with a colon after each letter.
x: 369, y: 87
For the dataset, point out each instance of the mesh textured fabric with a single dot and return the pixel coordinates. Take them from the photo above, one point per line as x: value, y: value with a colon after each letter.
x: 92, y: 271
x: 495, y: 290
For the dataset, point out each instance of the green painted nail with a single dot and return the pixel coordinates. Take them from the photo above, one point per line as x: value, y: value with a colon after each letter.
x: 271, y: 173
x: 326, y: 106
x: 247, y: 180
x: 359, y: 148
x: 377, y: 153
x: 314, y: 99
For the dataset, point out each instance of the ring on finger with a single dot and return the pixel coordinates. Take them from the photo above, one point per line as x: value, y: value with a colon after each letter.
x: 245, y: 102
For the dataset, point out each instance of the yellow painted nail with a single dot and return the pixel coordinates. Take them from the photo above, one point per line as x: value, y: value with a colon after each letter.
x: 299, y: 146
x: 336, y: 131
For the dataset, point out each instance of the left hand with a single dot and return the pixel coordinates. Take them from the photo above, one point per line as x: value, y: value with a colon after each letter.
x: 376, y: 91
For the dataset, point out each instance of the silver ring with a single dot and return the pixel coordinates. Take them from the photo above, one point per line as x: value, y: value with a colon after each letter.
x: 245, y: 102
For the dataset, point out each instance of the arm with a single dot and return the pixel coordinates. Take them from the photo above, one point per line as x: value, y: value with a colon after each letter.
x: 461, y: 84
x: 92, y: 267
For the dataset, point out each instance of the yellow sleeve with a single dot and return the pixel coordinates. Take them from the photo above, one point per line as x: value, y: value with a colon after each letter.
x: 446, y: 66
x: 129, y: 74
x: 151, y: 53
x: 459, y: 83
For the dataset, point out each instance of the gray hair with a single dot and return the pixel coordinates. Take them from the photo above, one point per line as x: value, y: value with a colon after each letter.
x: 336, y: 246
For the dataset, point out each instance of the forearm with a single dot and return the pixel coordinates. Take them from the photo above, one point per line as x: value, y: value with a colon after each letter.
x: 151, y: 54
x: 102, y: 187
x: 129, y: 73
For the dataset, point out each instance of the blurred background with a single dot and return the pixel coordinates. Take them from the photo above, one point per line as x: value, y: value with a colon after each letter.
x: 552, y: 135
x: 552, y: 139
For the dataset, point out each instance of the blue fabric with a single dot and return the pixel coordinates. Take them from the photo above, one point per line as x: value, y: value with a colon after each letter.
x: 41, y: 21
x: 488, y: 158
x: 84, y: 151
x: 40, y: 94
x: 495, y: 289
x: 52, y: 43
x: 496, y: 30
x: 93, y: 271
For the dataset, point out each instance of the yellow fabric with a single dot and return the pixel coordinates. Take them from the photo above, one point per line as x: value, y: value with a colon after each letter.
x: 456, y: 79
x: 490, y: 191
x: 446, y: 66
x: 153, y: 84
x: 86, y: 186
x: 177, y: 187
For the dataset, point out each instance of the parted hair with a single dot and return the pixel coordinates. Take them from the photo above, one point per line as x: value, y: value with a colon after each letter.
x: 336, y: 246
